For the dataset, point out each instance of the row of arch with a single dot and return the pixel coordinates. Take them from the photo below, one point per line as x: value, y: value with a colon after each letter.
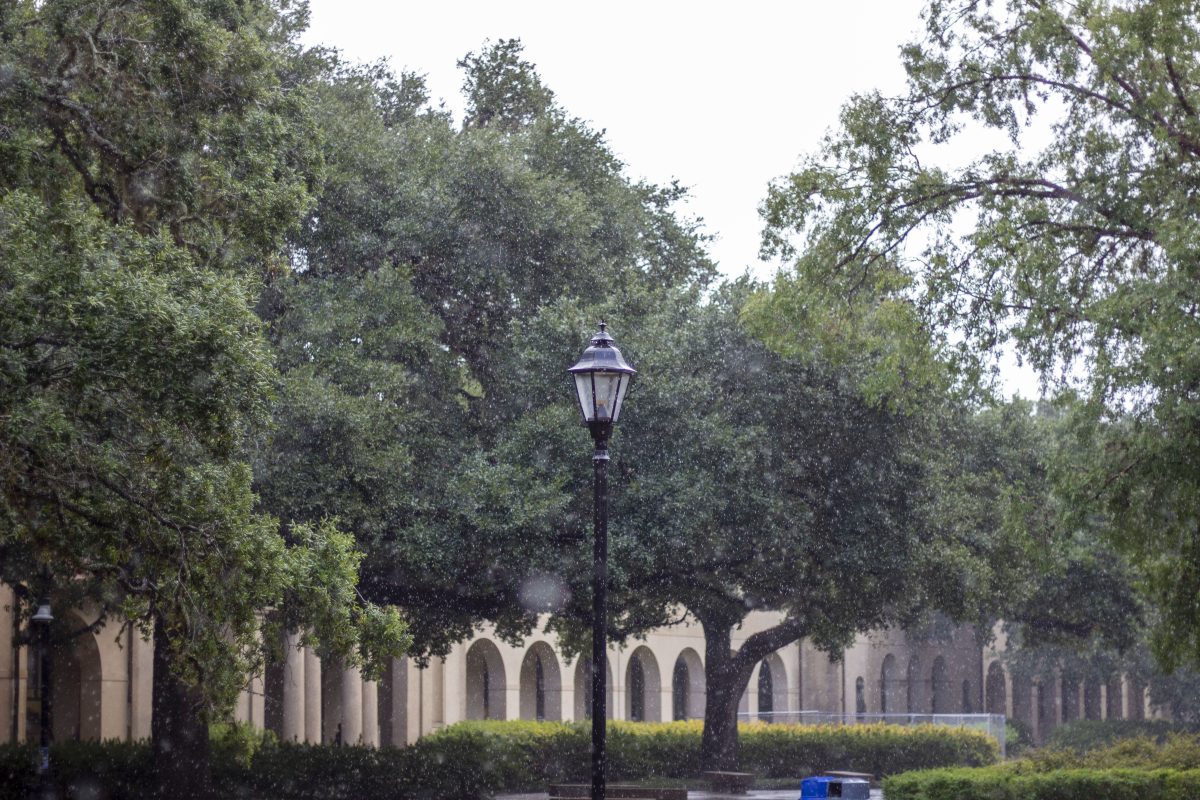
x: 916, y: 691
x: 1061, y: 697
x: 90, y: 684
x: 542, y: 677
x: 1044, y: 702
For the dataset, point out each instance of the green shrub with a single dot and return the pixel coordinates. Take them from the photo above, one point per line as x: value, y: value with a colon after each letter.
x: 122, y: 768
x: 1177, y: 751
x: 1001, y: 783
x: 1084, y: 735
x: 1018, y: 738
x: 478, y: 759
x: 237, y: 742
x: 792, y: 750
x: 1134, y: 768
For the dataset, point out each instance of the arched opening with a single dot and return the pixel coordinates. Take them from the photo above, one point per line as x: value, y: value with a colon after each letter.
x: 76, y: 679
x: 541, y: 684
x: 679, y: 690
x: 1113, y: 697
x: 393, y: 704
x: 968, y: 706
x: 777, y: 692
x: 1137, y: 699
x: 1070, y: 698
x: 486, y: 682
x: 637, y: 690
x: 1022, y: 702
x: 939, y: 683
x: 687, y: 686
x: 643, y: 687
x: 860, y: 696
x: 273, y: 678
x: 995, y: 691
x: 766, y: 692
x: 888, y: 694
x: 583, y: 689
x: 913, y: 686
x: 331, y: 704
x: 1091, y: 699
x: 1045, y: 718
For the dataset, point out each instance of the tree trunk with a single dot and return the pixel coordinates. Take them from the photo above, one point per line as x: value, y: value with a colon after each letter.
x: 178, y: 733
x: 722, y: 690
x: 726, y: 674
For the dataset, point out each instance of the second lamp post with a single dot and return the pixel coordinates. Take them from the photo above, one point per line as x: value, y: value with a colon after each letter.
x: 602, y: 377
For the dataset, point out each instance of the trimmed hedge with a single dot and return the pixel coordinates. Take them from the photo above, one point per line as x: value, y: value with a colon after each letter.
x: 558, y: 751
x: 1084, y: 735
x: 1177, y: 751
x: 1130, y: 768
x: 786, y: 751
x: 998, y: 783
x: 477, y: 759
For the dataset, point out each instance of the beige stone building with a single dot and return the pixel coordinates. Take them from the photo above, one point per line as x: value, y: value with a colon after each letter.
x: 102, y: 685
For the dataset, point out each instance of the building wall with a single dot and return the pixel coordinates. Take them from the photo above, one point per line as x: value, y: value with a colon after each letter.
x: 104, y: 684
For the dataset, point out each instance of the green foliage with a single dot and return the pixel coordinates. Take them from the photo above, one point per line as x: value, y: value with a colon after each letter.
x: 997, y: 783
x: 1121, y: 743
x: 171, y: 116
x: 548, y: 752
x: 398, y: 331
x: 1132, y: 767
x: 1082, y: 736
x: 1080, y: 255
x: 153, y: 156
x: 131, y: 380
x: 478, y: 759
x: 237, y: 743
x: 1018, y: 738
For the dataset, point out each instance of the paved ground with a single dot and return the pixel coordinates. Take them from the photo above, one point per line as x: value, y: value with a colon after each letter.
x: 694, y: 794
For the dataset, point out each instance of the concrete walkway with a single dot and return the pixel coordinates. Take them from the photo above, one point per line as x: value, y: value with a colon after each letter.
x: 700, y: 794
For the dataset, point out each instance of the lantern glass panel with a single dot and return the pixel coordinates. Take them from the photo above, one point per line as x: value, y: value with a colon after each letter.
x: 622, y: 388
x: 606, y: 385
x: 583, y: 387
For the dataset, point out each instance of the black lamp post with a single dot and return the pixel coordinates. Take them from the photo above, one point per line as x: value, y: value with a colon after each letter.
x: 42, y: 618
x: 602, y: 377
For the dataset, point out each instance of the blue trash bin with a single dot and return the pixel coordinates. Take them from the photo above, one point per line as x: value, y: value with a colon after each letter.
x: 823, y: 786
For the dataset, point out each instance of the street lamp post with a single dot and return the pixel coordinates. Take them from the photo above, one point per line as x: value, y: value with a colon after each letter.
x: 602, y: 377
x: 42, y: 618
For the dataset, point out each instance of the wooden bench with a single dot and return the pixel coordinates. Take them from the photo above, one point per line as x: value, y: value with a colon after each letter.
x: 729, y: 782
x: 616, y: 791
x: 866, y: 776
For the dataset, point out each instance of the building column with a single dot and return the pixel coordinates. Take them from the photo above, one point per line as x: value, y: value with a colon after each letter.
x: 352, y: 716
x: 512, y: 691
x: 370, y: 713
x: 568, y: 691
x: 1035, y: 710
x: 312, y: 696
x: 257, y: 703
x: 294, y: 701
x: 455, y: 676
x: 9, y: 662
x: 141, y: 696
x: 415, y: 681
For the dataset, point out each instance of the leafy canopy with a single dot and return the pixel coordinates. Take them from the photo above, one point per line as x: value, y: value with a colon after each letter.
x: 1069, y: 230
x: 153, y: 156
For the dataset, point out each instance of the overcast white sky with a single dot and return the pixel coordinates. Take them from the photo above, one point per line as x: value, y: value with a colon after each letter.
x: 722, y: 98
